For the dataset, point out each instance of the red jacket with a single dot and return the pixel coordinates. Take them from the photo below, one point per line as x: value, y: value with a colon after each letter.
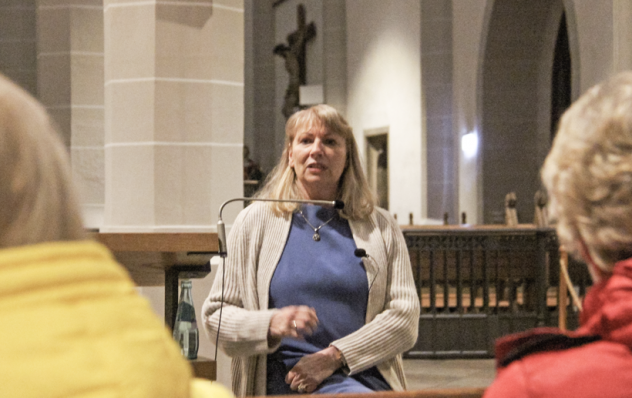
x: 595, y: 361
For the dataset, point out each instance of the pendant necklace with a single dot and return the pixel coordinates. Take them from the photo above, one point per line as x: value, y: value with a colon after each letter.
x: 316, y: 236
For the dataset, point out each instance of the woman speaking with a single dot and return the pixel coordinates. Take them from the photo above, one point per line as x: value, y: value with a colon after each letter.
x: 315, y: 299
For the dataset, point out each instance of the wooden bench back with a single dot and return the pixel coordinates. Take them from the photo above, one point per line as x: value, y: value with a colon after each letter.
x: 438, y: 393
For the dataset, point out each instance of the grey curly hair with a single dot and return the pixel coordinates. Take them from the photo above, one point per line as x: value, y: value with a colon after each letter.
x: 588, y: 174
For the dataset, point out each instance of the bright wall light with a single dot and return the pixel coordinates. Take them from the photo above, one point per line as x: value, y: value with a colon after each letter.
x: 469, y: 144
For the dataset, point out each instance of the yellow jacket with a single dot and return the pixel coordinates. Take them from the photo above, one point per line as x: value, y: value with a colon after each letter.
x: 72, y: 325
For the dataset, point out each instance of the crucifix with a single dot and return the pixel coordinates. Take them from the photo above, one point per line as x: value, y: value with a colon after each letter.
x: 294, y: 54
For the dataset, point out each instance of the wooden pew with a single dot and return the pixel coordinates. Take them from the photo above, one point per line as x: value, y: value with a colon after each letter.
x: 437, y: 393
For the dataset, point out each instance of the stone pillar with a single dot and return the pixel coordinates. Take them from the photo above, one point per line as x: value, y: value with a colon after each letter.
x: 70, y: 84
x: 622, y: 27
x: 173, y: 113
x: 18, y: 43
x: 174, y: 119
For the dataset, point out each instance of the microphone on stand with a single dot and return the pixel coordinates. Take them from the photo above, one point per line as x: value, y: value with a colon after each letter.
x: 221, y: 227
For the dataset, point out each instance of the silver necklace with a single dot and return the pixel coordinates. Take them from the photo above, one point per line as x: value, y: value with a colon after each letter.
x: 316, y: 235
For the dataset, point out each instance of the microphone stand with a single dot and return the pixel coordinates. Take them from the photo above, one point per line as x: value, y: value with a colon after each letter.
x: 221, y: 227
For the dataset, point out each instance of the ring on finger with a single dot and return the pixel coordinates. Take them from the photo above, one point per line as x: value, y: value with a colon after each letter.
x: 294, y: 323
x: 301, y: 388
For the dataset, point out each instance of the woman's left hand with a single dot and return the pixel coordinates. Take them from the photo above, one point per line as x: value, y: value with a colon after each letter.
x: 312, y: 369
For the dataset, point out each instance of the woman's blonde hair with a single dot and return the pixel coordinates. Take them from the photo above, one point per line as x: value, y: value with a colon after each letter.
x: 588, y: 173
x: 353, y: 188
x: 37, y: 202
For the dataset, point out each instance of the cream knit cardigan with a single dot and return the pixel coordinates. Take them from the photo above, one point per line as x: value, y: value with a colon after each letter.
x: 255, y: 245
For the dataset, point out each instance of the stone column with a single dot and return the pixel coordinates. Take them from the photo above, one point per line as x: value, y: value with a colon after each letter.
x: 173, y: 123
x: 18, y: 43
x: 622, y: 30
x: 70, y: 84
x: 173, y: 113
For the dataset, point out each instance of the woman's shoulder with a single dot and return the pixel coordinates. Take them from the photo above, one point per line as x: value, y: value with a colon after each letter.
x: 257, y: 213
x: 383, y: 217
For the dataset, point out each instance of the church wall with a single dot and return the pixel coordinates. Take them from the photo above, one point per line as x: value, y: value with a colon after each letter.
x: 436, y: 76
x: 469, y: 22
x: 384, y: 93
x: 622, y: 32
x: 593, y: 44
x: 174, y: 111
x: 260, y: 92
x: 18, y: 43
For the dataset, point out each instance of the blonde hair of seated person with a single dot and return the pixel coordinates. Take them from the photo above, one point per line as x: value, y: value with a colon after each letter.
x: 38, y: 200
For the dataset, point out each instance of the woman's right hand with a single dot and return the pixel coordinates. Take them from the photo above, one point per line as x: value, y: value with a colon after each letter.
x: 292, y: 321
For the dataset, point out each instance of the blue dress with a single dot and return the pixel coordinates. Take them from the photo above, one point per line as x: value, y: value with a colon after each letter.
x: 327, y: 276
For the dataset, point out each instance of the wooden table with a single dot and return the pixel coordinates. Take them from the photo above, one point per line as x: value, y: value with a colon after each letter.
x: 156, y: 259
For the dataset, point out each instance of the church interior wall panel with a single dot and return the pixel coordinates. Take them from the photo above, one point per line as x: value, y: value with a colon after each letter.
x: 222, y: 184
x: 467, y: 42
x: 178, y: 188
x: 17, y: 20
x: 18, y: 43
x: 129, y: 111
x: 594, y: 26
x: 198, y: 112
x: 622, y: 33
x: 436, y: 62
x: 87, y: 126
x: 62, y: 118
x: 54, y: 70
x: 86, y: 30
x: 237, y: 4
x: 512, y: 84
x: 129, y: 47
x: 195, y: 45
x: 129, y: 195
x: 88, y: 167
x: 335, y: 55
x: 384, y: 90
x: 262, y: 125
x: 86, y: 84
x: 184, y: 200
x: 53, y: 29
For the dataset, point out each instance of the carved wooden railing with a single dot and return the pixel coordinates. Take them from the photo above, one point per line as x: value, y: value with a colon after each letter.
x: 476, y: 284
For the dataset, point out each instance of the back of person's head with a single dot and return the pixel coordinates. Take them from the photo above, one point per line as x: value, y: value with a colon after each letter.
x: 588, y: 173
x: 353, y: 190
x: 37, y: 199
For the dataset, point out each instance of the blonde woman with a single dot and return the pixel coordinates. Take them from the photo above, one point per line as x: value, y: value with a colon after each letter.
x: 72, y: 323
x: 303, y: 309
x: 588, y: 175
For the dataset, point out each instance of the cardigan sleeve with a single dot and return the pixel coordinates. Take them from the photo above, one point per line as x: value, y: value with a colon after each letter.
x: 243, y: 330
x: 394, y: 330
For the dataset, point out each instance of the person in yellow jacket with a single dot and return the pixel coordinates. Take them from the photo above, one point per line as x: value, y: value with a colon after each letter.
x: 71, y: 322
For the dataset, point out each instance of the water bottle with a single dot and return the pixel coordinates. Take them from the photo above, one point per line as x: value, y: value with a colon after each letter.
x: 185, y: 330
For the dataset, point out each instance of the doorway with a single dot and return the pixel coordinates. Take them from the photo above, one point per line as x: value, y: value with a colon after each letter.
x: 377, y: 164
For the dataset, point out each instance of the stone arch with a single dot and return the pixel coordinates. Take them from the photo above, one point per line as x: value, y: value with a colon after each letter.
x: 515, y: 101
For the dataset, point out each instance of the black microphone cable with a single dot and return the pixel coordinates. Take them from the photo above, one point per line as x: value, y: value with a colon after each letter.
x: 221, y: 307
x: 361, y: 253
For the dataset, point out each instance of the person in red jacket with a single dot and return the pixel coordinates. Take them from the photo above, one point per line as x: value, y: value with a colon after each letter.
x: 588, y: 176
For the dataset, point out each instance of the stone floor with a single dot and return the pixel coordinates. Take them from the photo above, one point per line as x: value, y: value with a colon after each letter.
x: 448, y: 373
